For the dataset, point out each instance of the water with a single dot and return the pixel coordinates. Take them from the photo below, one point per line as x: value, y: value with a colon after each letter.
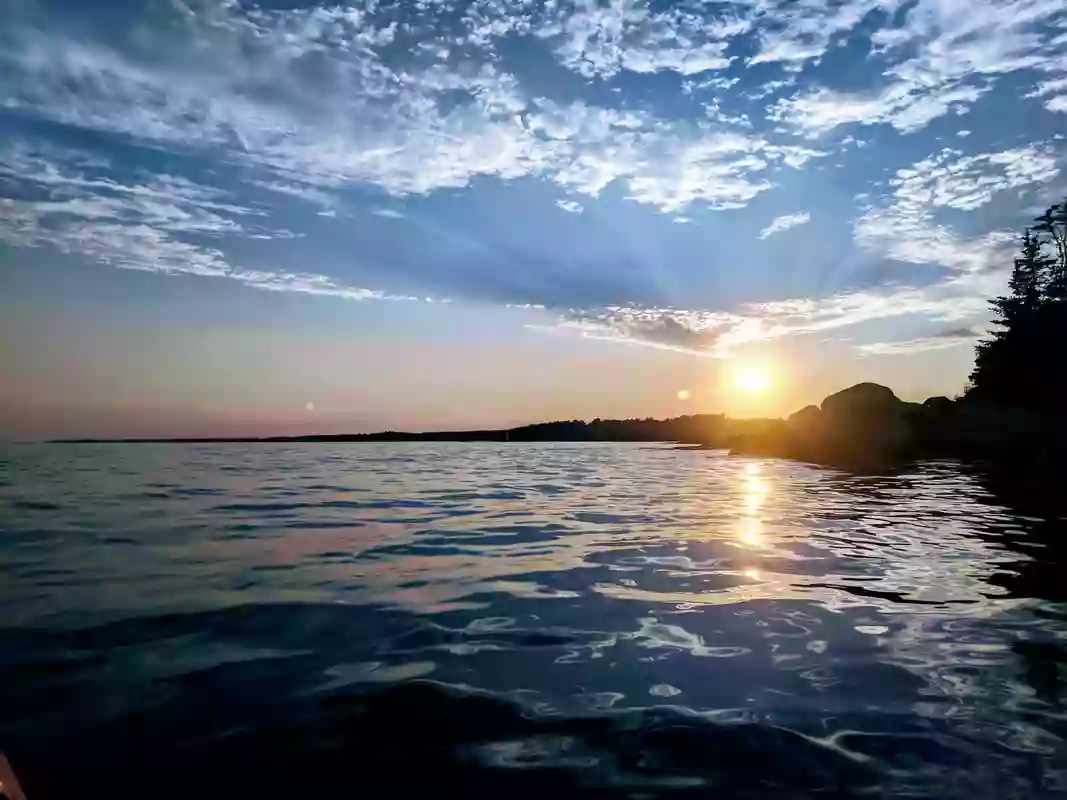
x: 384, y: 619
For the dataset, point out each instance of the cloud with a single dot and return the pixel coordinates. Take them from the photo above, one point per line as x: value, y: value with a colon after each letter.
x: 324, y: 104
x: 235, y: 77
x: 155, y: 226
x: 904, y: 106
x: 792, y: 34
x: 784, y: 223
x: 1057, y: 87
x: 601, y: 40
x: 715, y: 333
x: 906, y: 230
x: 952, y: 52
x: 954, y: 337
x: 298, y: 189
x: 226, y: 75
x: 667, y: 166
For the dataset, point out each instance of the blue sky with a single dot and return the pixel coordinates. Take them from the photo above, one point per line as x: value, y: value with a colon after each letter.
x: 221, y: 216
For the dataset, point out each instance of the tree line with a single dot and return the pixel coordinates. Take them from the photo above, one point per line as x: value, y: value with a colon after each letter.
x: 1021, y: 362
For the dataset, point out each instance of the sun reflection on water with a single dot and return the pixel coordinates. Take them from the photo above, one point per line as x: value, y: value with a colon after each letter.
x: 754, y: 492
x: 755, y: 489
x: 750, y: 531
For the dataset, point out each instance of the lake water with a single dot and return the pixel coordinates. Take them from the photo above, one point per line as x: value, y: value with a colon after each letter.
x: 372, y: 619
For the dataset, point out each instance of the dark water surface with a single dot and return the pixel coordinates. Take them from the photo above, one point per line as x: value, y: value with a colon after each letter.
x: 365, y: 620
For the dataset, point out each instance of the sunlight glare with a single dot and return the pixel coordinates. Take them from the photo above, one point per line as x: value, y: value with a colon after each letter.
x: 683, y: 394
x: 752, y: 379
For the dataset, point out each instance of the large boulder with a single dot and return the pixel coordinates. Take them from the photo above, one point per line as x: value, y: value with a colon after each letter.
x: 862, y: 401
x: 939, y: 405
x: 868, y: 413
x: 865, y: 427
x: 807, y: 418
x: 807, y: 425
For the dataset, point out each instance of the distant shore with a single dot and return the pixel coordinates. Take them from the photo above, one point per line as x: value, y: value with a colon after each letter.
x: 863, y: 428
x: 692, y: 429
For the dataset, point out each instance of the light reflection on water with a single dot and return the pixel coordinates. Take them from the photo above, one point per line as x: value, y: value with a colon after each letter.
x: 888, y: 620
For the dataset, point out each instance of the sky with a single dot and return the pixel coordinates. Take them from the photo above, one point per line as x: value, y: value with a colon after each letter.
x: 221, y: 217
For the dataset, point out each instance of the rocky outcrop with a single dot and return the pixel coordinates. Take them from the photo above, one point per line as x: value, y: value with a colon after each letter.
x: 807, y: 418
x: 862, y: 401
x: 861, y: 427
x: 868, y: 428
x: 939, y: 405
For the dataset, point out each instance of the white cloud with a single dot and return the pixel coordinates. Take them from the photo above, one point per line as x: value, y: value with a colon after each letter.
x: 203, y: 82
x: 952, y: 338
x: 952, y: 52
x: 784, y: 223
x: 715, y: 333
x: 151, y: 226
x: 600, y: 40
x: 232, y: 77
x: 793, y: 33
x: 1054, y: 86
x: 666, y: 166
x: 1057, y: 87
x: 298, y: 189
x: 304, y: 103
x: 907, y: 107
x: 905, y: 229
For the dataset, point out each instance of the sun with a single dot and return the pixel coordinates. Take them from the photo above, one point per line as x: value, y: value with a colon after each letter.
x: 752, y: 379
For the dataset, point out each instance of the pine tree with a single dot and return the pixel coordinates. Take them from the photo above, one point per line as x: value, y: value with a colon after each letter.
x: 1007, y: 365
x: 1029, y: 279
x: 1053, y: 224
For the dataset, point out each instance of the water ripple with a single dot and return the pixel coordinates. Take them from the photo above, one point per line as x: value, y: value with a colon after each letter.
x: 609, y: 613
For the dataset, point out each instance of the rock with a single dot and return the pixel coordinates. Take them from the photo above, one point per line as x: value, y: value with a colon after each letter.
x: 938, y: 405
x: 807, y: 427
x: 867, y: 416
x: 805, y: 419
x: 863, y: 428
x: 862, y: 401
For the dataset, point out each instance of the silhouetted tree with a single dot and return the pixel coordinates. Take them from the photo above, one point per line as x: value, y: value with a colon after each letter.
x: 1014, y: 365
x: 1053, y: 225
